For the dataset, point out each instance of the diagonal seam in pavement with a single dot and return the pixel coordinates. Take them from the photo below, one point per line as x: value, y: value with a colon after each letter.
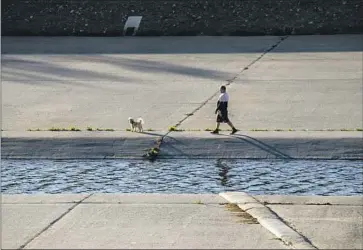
x: 54, y: 221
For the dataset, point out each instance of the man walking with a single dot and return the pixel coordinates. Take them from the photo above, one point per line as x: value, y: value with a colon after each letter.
x: 222, y: 111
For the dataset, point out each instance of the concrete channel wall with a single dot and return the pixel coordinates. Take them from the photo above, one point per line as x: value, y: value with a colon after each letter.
x: 187, y: 17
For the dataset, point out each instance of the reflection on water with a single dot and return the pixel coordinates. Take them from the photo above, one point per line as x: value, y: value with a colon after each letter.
x: 223, y: 172
x: 183, y: 176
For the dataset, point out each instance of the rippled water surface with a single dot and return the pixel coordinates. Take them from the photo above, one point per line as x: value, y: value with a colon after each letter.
x: 183, y: 176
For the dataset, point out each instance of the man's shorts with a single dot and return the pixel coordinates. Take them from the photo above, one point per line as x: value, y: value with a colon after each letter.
x: 222, y: 116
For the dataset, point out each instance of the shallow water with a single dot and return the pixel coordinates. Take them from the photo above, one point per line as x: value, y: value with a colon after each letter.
x: 183, y: 176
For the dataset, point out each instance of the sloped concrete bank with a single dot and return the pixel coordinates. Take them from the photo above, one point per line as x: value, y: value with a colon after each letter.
x: 186, y: 145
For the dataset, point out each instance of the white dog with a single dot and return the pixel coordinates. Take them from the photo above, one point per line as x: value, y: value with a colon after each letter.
x: 136, y: 124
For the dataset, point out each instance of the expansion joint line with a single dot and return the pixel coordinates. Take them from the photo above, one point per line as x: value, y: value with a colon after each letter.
x: 54, y: 221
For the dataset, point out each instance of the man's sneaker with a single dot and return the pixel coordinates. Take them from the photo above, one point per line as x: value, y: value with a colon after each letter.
x: 233, y: 131
x: 215, y: 131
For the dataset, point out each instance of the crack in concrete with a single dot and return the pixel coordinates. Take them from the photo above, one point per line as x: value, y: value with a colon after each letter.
x: 54, y: 221
x: 309, y: 204
x: 290, y: 203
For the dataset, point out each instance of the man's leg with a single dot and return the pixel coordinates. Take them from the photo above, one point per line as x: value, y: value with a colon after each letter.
x: 234, y: 130
x: 217, y: 128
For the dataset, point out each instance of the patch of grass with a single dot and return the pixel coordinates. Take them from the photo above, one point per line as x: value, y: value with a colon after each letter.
x: 64, y: 129
x: 74, y: 129
x: 150, y: 129
x: 199, y: 202
x: 173, y: 128
x: 38, y: 129
x: 89, y: 129
x: 128, y: 129
x: 279, y: 130
x: 152, y: 153
x: 291, y: 129
x: 57, y: 129
x: 258, y: 129
x: 359, y: 129
x: 347, y: 129
x: 54, y: 129
x: 208, y: 129
x: 154, y: 150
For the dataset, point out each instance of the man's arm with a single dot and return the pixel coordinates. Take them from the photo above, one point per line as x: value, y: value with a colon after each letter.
x: 218, y: 105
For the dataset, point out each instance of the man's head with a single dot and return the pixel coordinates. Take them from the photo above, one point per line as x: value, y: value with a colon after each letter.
x: 223, y: 89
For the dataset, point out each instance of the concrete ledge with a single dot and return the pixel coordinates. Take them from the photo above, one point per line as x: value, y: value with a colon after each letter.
x: 155, y: 199
x: 41, y: 198
x: 268, y: 219
x: 183, y: 145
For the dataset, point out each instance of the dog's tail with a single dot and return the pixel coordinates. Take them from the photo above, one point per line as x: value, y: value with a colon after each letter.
x: 140, y: 120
